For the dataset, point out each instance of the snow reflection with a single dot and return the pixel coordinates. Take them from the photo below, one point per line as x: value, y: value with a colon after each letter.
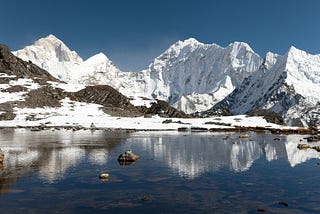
x: 51, y: 154
x: 193, y: 155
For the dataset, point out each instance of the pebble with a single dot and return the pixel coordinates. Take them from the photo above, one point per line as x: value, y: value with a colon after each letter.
x: 104, y: 176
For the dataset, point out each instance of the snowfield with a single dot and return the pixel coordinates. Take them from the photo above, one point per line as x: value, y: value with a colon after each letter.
x: 83, y: 115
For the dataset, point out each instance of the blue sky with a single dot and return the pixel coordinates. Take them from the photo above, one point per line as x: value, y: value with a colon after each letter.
x: 133, y: 32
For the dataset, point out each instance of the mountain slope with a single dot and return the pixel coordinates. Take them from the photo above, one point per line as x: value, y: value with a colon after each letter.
x: 288, y: 85
x: 190, y: 75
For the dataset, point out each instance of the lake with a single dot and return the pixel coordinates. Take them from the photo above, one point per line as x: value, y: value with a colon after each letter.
x: 57, y: 171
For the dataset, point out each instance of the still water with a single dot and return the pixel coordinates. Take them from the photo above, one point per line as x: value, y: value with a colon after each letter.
x: 58, y: 172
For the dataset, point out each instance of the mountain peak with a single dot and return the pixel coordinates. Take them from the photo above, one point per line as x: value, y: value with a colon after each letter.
x: 54, y: 47
x: 52, y: 37
x: 50, y: 40
x: 294, y: 50
x: 100, y: 57
x: 191, y: 41
x: 240, y: 45
x: 295, y: 54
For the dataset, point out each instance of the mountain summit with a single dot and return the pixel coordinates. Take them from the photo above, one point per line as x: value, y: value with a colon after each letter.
x: 49, y: 48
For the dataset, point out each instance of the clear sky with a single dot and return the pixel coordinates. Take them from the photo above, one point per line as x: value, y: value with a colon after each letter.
x: 133, y: 32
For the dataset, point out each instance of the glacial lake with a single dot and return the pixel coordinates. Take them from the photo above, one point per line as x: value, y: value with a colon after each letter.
x: 57, y: 171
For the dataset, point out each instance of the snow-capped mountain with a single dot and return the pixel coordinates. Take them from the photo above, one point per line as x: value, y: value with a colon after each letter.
x: 288, y: 85
x: 193, y: 77
x: 190, y: 75
x: 53, y: 55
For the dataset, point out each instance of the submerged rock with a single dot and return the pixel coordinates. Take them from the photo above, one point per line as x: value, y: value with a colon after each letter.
x: 262, y: 210
x: 127, y: 158
x: 283, y: 203
x: 145, y: 198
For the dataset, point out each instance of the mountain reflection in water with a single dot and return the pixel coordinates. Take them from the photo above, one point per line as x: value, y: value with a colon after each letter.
x: 193, y: 155
x: 51, y: 154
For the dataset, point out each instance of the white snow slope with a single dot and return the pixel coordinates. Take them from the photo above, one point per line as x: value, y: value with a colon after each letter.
x: 190, y: 75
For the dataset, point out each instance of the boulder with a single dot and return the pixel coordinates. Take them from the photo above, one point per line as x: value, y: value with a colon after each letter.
x: 104, y: 176
x: 127, y: 158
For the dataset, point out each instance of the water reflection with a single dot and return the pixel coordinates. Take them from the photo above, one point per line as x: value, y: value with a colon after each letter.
x: 51, y: 154
x: 192, y: 155
x: 59, y: 161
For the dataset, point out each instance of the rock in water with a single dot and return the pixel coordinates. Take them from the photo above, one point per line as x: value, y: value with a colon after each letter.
x: 104, y: 176
x: 127, y: 158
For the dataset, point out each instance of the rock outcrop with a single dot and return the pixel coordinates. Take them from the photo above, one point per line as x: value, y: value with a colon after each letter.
x: 12, y: 65
x: 163, y: 109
